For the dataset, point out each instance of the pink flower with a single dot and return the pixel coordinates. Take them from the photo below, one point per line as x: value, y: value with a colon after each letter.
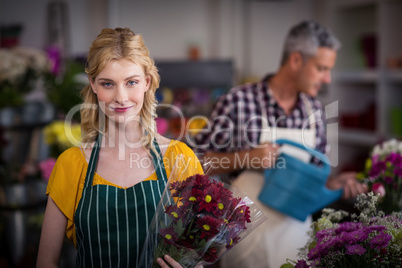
x: 162, y: 125
x: 378, y: 188
x: 46, y: 167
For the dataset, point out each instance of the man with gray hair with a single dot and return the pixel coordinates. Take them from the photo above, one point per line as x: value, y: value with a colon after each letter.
x: 240, y: 141
x: 307, y: 37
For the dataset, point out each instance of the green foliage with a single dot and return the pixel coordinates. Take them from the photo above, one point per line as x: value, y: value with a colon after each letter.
x: 12, y: 93
x: 20, y: 70
x: 9, y: 96
x: 64, y: 90
x: 287, y: 265
x: 178, y: 227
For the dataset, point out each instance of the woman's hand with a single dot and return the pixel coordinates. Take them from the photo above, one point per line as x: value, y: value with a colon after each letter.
x: 169, y: 260
x: 172, y: 262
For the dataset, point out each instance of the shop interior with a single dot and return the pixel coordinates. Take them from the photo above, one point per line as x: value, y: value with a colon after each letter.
x: 202, y: 49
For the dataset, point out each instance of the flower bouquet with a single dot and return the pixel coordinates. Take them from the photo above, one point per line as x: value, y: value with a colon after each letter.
x: 383, y: 174
x: 370, y: 239
x: 198, y: 220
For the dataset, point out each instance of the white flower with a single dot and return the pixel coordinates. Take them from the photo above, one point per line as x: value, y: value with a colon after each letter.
x: 36, y: 59
x: 12, y: 66
x: 387, y: 147
x: 15, y: 62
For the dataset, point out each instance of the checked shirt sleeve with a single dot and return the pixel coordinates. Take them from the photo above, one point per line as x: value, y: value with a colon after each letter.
x: 234, y: 124
x: 217, y: 135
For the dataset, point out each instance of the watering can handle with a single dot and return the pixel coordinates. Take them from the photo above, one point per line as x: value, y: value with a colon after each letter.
x: 315, y: 153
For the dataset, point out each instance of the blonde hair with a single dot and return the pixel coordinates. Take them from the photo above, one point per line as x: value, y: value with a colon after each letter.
x: 116, y: 44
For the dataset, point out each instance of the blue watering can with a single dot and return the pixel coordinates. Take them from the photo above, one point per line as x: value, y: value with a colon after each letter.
x: 298, y: 189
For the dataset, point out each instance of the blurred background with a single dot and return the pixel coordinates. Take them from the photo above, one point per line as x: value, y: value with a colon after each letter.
x: 202, y: 48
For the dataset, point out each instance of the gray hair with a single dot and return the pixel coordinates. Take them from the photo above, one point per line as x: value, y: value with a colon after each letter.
x: 306, y: 37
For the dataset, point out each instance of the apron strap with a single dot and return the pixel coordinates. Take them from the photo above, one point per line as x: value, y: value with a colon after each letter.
x: 93, y: 161
x: 158, y: 163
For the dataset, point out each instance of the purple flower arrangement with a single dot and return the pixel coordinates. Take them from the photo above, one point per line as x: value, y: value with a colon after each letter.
x: 371, y: 239
x: 383, y: 175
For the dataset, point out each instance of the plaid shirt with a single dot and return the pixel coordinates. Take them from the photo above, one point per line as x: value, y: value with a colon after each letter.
x: 236, y: 121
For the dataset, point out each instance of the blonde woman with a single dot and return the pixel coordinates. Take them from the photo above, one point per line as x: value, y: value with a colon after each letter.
x: 103, y: 195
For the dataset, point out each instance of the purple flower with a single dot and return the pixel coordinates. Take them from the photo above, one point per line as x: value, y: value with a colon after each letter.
x: 398, y: 171
x: 301, y: 264
x: 330, y: 244
x: 355, y: 236
x: 388, y: 179
x: 315, y: 262
x: 54, y: 55
x: 395, y: 159
x: 348, y: 227
x: 355, y: 250
x: 320, y: 235
x: 372, y: 228
x: 377, y: 168
x: 314, y: 253
x: 381, y: 240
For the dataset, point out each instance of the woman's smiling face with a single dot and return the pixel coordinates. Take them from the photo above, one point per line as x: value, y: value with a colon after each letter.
x: 120, y: 88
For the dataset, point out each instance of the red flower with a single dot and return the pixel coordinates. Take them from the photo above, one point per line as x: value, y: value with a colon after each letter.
x: 188, y: 241
x: 223, y: 199
x: 168, y: 235
x: 224, y: 193
x: 209, y: 226
x: 201, y: 181
x: 176, y: 213
x: 241, y: 214
x: 232, y: 231
x: 191, y: 197
x: 211, y: 255
x: 208, y: 201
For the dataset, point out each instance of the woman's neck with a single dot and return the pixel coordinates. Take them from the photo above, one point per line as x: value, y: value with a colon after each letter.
x: 123, y: 137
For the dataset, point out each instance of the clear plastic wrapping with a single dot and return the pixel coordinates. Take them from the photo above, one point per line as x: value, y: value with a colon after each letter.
x: 198, y: 220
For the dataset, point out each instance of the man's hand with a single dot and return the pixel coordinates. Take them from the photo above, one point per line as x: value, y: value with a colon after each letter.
x: 347, y: 181
x: 264, y: 157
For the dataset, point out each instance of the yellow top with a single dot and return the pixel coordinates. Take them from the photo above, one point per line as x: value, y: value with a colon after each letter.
x: 68, y: 177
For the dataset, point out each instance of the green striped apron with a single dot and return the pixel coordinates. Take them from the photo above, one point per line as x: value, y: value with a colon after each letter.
x: 111, y: 223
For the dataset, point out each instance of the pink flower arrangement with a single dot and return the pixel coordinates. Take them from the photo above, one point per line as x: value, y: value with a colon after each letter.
x: 46, y: 167
x: 383, y: 174
x: 378, y: 188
